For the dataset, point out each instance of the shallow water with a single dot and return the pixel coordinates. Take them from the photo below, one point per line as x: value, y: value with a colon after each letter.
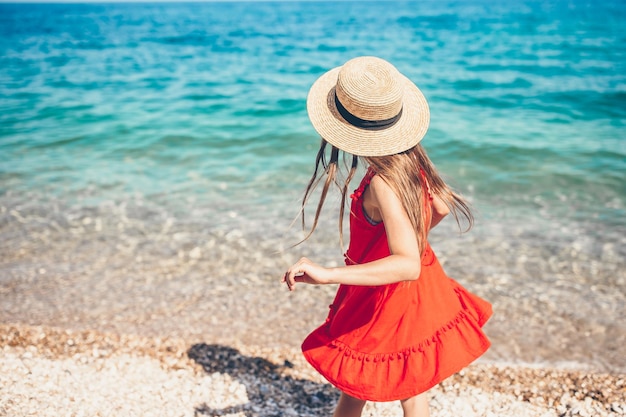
x: 152, y: 158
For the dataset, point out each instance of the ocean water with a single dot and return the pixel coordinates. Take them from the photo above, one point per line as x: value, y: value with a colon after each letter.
x: 171, y: 140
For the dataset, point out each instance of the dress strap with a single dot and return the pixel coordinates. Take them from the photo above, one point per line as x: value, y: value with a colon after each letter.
x: 425, y: 181
x: 364, y: 183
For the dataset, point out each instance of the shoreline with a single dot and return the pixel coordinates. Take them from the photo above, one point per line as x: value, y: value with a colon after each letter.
x: 49, y: 370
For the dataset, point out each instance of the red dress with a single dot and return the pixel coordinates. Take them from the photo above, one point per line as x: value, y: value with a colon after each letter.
x: 392, y: 342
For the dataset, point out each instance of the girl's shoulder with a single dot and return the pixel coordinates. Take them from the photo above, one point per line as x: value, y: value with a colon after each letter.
x: 381, y: 190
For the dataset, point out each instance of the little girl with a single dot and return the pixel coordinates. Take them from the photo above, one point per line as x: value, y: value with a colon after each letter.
x: 398, y: 324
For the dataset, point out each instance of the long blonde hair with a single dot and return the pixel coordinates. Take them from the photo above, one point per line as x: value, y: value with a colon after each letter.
x: 402, y: 172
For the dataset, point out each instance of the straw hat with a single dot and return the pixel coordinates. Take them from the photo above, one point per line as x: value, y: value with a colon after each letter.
x: 367, y: 108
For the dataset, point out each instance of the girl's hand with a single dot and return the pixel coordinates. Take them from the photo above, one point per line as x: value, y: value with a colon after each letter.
x: 307, y: 272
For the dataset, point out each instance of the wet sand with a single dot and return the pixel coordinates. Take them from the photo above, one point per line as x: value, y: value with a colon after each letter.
x: 225, y: 285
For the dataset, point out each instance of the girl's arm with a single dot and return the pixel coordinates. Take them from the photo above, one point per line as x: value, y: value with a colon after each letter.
x: 403, y: 264
x: 440, y: 210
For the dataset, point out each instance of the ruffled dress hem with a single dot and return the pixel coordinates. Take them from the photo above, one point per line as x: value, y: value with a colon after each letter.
x: 404, y: 373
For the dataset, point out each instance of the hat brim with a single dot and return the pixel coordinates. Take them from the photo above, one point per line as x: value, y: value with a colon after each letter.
x: 332, y: 127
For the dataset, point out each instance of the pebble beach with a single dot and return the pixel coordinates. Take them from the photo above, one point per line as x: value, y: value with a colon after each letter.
x: 52, y: 372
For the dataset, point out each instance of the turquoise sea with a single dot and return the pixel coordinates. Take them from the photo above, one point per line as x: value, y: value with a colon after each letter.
x: 133, y: 135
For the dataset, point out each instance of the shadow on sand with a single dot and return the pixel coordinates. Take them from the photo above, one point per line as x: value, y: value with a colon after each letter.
x: 270, y: 391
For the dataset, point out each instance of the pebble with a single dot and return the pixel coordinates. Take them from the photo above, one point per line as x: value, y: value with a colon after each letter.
x: 48, y: 371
